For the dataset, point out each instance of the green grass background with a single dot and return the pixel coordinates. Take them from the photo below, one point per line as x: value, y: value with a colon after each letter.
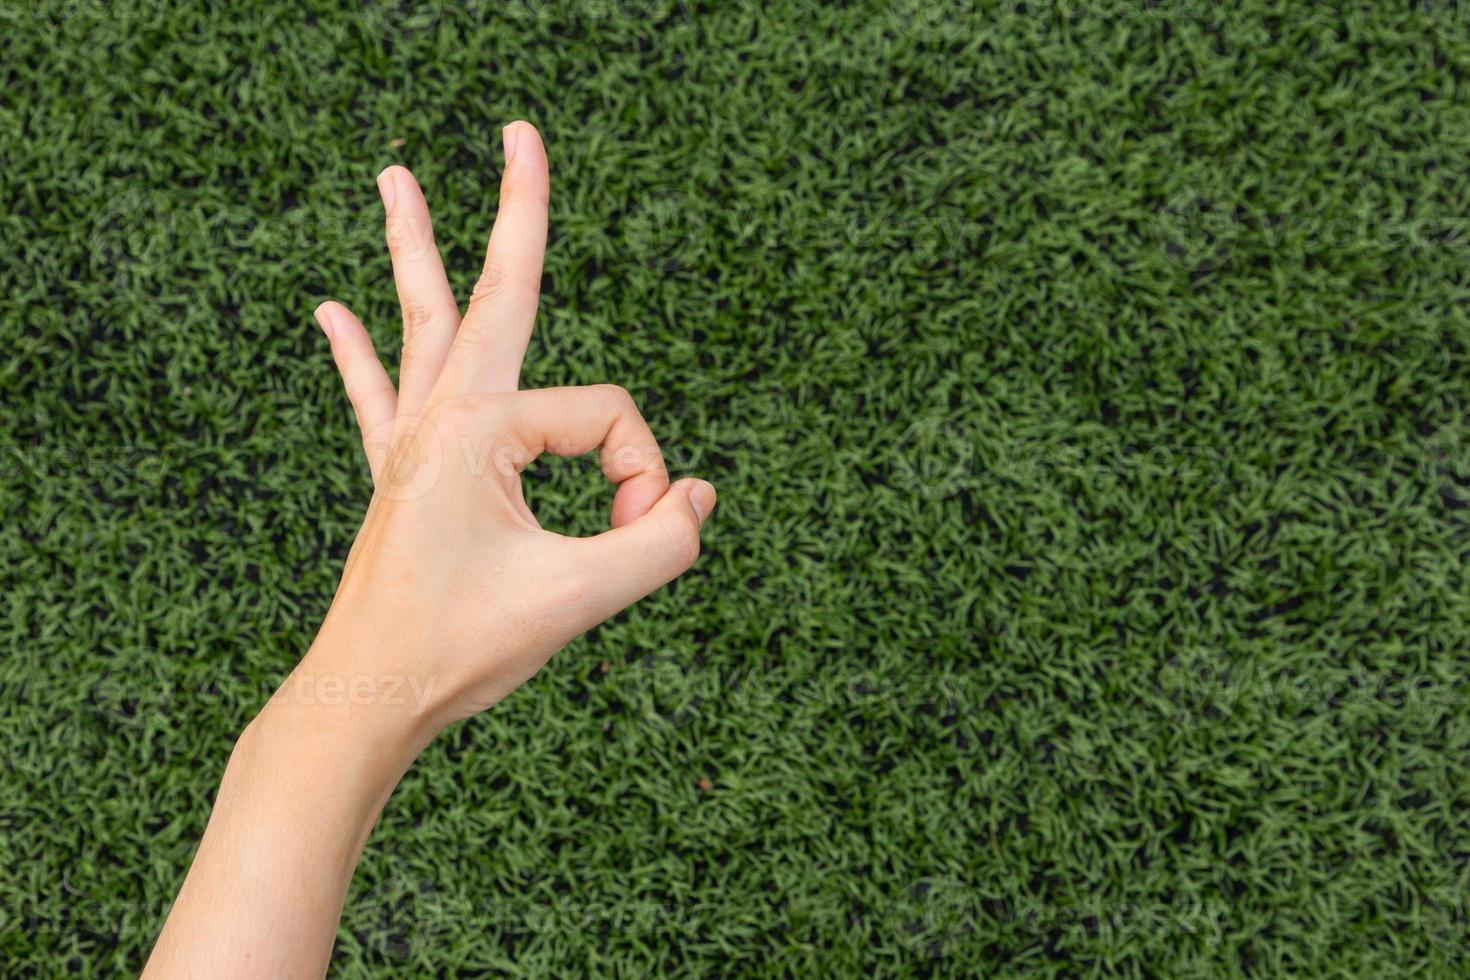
x: 1086, y: 388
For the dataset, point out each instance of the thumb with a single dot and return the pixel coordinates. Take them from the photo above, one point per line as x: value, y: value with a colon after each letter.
x: 631, y: 561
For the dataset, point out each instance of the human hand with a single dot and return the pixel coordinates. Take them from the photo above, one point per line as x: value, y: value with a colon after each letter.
x: 452, y: 582
x: 452, y: 589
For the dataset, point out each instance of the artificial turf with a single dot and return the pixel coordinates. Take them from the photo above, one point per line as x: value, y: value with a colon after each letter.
x: 1085, y: 384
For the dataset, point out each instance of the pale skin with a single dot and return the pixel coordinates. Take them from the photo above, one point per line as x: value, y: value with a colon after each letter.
x: 452, y: 595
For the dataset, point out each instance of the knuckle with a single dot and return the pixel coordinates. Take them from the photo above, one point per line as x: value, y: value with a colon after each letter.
x: 628, y: 460
x: 498, y: 282
x: 469, y: 339
x: 617, y: 397
x: 416, y: 318
x: 489, y: 286
x: 407, y: 235
x: 465, y: 629
x: 573, y: 589
x: 459, y: 411
x: 357, y: 389
x: 563, y: 583
x: 686, y: 544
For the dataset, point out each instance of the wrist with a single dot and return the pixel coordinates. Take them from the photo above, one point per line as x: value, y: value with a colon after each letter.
x: 377, y: 667
x: 346, y: 727
x: 302, y: 791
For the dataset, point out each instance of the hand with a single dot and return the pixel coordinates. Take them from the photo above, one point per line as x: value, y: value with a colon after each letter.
x: 451, y: 582
x: 452, y: 593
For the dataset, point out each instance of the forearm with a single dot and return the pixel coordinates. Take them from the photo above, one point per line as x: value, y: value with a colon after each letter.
x: 302, y: 790
x: 453, y: 593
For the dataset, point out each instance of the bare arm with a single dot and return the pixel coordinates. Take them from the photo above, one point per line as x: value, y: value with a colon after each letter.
x: 453, y: 594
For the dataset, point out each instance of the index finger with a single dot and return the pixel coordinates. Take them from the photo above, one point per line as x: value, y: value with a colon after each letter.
x: 573, y: 421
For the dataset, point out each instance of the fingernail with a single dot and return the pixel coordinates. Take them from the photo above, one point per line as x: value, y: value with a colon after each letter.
x: 508, y: 139
x: 702, y: 499
x: 385, y: 189
x: 324, y: 319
